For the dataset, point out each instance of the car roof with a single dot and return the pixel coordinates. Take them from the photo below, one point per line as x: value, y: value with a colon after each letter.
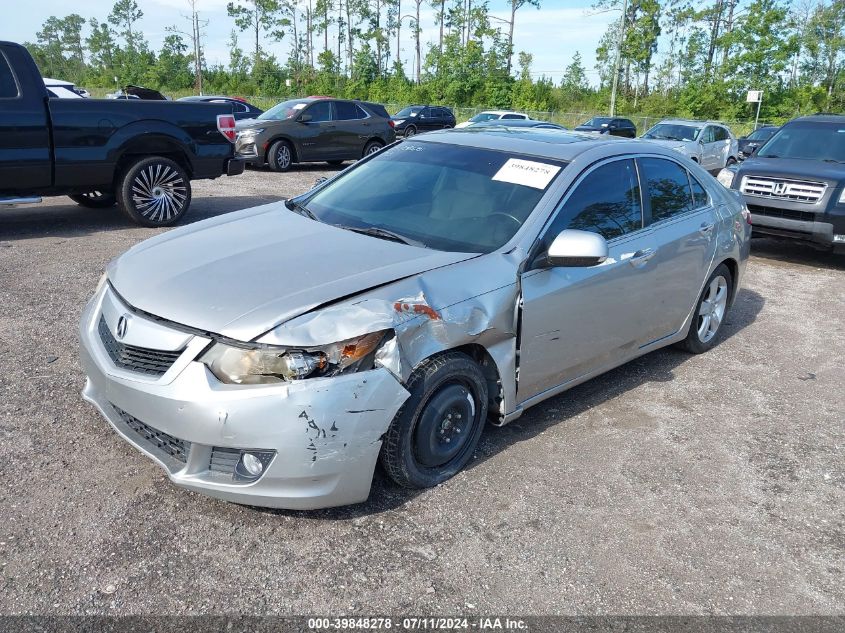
x: 695, y: 122
x: 838, y: 119
x: 560, y: 145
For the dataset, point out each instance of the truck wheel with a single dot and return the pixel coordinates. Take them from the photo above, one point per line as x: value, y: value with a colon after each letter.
x: 94, y: 199
x: 154, y: 191
x: 280, y: 156
x: 436, y: 431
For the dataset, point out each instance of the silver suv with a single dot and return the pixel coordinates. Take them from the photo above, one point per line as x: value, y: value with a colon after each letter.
x: 710, y: 144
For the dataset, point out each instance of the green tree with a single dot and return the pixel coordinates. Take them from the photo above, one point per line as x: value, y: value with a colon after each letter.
x: 261, y: 17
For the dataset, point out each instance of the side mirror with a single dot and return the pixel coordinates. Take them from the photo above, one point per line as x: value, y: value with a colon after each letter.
x: 577, y: 249
x: 304, y: 118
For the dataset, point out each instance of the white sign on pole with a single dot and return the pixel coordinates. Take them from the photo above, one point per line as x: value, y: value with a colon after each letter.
x: 754, y: 96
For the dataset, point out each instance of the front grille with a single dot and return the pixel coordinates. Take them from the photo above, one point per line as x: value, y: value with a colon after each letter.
x: 152, y: 362
x: 176, y: 448
x: 798, y: 191
x: 788, y: 214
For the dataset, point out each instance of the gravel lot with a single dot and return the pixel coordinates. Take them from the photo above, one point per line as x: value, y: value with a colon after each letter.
x: 673, y: 485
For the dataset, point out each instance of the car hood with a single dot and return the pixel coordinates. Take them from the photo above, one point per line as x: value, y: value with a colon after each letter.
x: 242, y: 274
x: 793, y: 168
x: 667, y: 143
x: 244, y: 124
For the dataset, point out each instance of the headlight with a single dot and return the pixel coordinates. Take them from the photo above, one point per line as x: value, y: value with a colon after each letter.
x: 252, y: 131
x: 270, y: 364
x: 398, y: 121
x: 726, y: 177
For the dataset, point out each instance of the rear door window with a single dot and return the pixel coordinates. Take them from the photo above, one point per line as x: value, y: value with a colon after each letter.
x: 667, y: 185
x: 8, y: 85
x: 606, y: 201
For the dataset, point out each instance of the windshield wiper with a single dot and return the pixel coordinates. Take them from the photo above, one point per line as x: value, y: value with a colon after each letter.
x: 381, y: 233
x: 300, y: 208
x: 833, y: 160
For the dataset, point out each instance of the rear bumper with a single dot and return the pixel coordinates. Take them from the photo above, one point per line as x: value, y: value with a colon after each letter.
x: 235, y: 166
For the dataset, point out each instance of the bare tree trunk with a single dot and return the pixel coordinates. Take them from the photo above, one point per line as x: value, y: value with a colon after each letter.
x: 417, y: 34
x: 325, y: 27
x: 398, y: 26
x: 714, y: 33
x: 442, y: 20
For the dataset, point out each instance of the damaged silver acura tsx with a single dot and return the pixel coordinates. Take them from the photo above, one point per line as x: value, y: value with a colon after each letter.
x: 273, y: 356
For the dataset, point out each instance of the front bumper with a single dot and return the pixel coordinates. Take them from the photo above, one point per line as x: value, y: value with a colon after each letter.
x: 325, y: 432
x: 824, y: 229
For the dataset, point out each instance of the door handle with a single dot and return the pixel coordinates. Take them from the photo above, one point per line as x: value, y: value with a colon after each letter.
x: 641, y: 257
x: 706, y: 228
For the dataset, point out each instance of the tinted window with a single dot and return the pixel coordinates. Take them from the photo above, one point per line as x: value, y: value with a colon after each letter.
x: 720, y: 134
x: 607, y: 202
x: 708, y: 135
x: 362, y: 114
x: 513, y: 116
x: 668, y: 187
x: 8, y: 86
x: 345, y: 110
x: 808, y: 140
x: 763, y: 134
x: 699, y: 195
x: 410, y: 111
x: 321, y: 111
x: 673, y: 132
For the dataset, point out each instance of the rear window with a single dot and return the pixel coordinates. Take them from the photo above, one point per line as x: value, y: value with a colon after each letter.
x: 346, y: 111
x: 8, y: 85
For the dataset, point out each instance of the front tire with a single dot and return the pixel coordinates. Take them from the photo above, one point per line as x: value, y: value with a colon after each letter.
x: 154, y: 192
x: 710, y: 312
x: 94, y: 199
x: 280, y: 156
x: 436, y: 432
x: 410, y: 131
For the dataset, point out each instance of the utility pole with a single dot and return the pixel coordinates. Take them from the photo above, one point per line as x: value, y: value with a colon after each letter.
x: 618, y: 58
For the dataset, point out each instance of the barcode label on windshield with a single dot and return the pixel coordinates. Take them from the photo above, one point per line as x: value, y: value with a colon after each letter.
x: 527, y: 173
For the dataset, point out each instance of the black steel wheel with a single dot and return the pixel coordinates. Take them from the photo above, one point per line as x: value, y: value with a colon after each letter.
x: 154, y: 191
x: 436, y: 432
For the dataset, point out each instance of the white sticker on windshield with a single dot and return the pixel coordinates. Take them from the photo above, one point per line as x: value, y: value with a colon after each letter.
x: 527, y: 173
x: 299, y: 106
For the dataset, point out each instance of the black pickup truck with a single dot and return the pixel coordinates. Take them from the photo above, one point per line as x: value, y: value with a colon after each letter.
x: 139, y: 155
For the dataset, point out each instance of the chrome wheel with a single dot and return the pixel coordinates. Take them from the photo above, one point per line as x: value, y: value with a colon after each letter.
x: 283, y: 156
x: 159, y: 192
x: 712, y: 309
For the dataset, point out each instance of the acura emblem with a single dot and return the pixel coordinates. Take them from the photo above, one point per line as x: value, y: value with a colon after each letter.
x: 122, y: 324
x: 779, y: 189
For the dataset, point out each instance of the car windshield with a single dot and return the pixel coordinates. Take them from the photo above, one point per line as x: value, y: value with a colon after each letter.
x: 762, y: 134
x: 484, y: 116
x: 598, y: 121
x: 284, y: 110
x: 673, y: 132
x: 408, y: 112
x: 445, y: 197
x: 807, y: 141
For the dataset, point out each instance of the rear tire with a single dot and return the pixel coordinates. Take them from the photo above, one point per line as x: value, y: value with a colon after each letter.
x: 435, y: 433
x: 410, y: 131
x: 710, y: 312
x: 154, y: 192
x: 372, y: 147
x: 280, y: 156
x: 94, y: 199
x: 731, y: 161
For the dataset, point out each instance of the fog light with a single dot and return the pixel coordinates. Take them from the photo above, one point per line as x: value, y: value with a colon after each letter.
x: 252, y: 464
x: 839, y: 238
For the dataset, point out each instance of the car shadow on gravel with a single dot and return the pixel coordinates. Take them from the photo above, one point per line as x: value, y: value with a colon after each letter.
x: 791, y: 252
x: 657, y: 366
x: 72, y: 220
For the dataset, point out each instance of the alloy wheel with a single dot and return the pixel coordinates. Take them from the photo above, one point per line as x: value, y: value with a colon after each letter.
x: 283, y: 157
x: 712, y: 309
x: 159, y: 192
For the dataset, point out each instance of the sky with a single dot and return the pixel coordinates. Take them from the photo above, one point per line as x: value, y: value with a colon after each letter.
x: 552, y: 34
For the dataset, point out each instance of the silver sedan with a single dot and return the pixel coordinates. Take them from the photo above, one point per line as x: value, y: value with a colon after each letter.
x: 273, y: 356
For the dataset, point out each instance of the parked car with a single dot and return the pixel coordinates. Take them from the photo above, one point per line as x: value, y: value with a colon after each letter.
x: 406, y: 307
x: 710, y: 144
x: 614, y: 126
x: 58, y: 89
x: 519, y: 124
x: 416, y: 119
x: 794, y: 185
x: 494, y: 115
x: 751, y: 143
x: 314, y: 129
x: 141, y: 156
x: 240, y: 108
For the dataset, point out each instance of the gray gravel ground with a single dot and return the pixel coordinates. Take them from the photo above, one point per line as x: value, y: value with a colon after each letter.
x: 673, y: 485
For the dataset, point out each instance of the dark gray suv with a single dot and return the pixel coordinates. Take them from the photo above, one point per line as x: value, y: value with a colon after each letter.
x: 314, y: 129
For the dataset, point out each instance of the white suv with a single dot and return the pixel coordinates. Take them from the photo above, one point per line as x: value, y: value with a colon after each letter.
x: 494, y: 115
x: 710, y: 144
